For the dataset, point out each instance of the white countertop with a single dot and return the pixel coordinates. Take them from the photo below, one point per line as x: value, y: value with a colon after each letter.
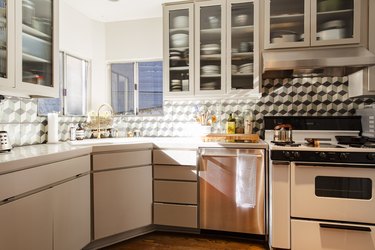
x: 34, y: 155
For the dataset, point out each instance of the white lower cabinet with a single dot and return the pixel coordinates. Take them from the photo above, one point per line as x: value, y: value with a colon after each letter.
x: 122, y: 200
x: 27, y: 223
x: 176, y: 215
x: 56, y: 214
x: 71, y: 217
x: 315, y: 235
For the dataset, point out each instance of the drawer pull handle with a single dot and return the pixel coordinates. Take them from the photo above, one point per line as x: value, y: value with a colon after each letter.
x: 345, y: 227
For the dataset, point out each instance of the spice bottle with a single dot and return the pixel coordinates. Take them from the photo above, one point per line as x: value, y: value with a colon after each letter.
x: 248, y: 122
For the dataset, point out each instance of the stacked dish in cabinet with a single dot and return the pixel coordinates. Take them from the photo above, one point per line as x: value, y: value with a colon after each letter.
x: 3, y: 39
x: 37, y: 41
x: 335, y: 19
x: 210, y: 48
x: 242, y: 45
x: 179, y: 50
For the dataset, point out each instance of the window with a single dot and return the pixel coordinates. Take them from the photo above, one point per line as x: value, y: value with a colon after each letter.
x: 137, y: 88
x: 74, y: 78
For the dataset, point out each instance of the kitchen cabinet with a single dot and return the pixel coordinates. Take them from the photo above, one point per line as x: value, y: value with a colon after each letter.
x: 222, y: 42
x: 32, y: 59
x: 178, y: 50
x: 122, y: 192
x: 72, y: 218
x: 46, y: 207
x: 296, y: 23
x: 175, y: 188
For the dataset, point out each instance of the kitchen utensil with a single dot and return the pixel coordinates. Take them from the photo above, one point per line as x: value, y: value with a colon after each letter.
x: 213, y: 22
x: 330, y: 5
x: 331, y: 34
x: 180, y: 22
x: 4, y: 142
x: 283, y: 133
x: 240, y: 20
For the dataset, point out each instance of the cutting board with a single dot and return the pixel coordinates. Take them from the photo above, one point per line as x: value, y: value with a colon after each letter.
x: 232, y: 137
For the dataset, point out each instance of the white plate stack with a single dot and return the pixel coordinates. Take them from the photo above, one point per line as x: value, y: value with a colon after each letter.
x: 234, y: 69
x: 176, y: 85
x: 246, y: 68
x: 210, y: 49
x: 180, y: 22
x: 210, y: 70
x: 208, y: 85
x: 179, y: 40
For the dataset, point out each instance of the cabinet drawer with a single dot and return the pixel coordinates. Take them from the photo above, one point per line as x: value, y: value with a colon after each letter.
x: 176, y: 215
x: 175, y: 157
x: 19, y: 182
x: 173, y: 172
x: 175, y: 192
x: 121, y: 159
x: 324, y: 235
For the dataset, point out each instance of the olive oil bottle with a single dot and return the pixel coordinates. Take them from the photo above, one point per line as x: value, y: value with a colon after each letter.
x: 231, y: 125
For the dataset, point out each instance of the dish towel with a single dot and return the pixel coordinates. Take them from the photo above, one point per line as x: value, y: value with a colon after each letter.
x: 246, y: 180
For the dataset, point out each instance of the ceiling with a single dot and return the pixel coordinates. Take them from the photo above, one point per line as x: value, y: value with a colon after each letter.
x: 121, y: 10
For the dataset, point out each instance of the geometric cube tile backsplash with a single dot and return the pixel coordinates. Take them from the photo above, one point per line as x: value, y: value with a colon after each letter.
x: 303, y: 96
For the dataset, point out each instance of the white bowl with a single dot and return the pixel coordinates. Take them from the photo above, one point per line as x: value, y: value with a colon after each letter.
x: 240, y: 20
x: 180, y: 22
x: 179, y: 40
x: 214, y: 22
x: 331, y: 34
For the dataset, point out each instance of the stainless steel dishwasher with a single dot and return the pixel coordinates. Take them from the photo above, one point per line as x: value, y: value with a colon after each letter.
x: 232, y: 190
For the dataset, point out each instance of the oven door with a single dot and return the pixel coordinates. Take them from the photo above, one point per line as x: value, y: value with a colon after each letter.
x: 332, y: 192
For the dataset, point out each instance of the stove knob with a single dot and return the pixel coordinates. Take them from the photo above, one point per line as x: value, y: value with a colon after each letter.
x: 343, y: 156
x: 287, y: 154
x: 371, y: 156
x: 322, y: 155
x: 296, y: 155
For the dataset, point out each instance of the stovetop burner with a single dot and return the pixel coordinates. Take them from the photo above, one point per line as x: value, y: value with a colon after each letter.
x: 284, y: 144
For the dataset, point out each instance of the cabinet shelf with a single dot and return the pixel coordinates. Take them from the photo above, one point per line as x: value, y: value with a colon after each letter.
x: 179, y: 30
x: 335, y: 12
x: 211, y: 57
x: 34, y: 32
x: 242, y: 74
x: 30, y: 58
x: 183, y: 68
x: 210, y: 76
x: 242, y: 55
x: 240, y: 30
x: 287, y: 18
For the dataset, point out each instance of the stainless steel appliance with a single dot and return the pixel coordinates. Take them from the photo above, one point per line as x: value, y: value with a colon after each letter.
x: 325, y: 191
x: 283, y: 133
x: 232, y: 190
x: 4, y: 142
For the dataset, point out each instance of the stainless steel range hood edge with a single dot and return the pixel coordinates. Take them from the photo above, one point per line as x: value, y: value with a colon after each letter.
x: 332, y: 61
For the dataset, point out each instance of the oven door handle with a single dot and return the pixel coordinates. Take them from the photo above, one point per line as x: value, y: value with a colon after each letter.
x: 345, y: 227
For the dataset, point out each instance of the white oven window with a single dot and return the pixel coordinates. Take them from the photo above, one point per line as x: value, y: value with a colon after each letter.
x: 343, y: 187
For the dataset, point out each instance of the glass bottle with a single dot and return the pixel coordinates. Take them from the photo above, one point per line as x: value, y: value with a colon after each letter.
x: 231, y: 124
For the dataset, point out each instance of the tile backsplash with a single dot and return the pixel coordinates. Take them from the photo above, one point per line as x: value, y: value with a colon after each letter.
x: 302, y: 96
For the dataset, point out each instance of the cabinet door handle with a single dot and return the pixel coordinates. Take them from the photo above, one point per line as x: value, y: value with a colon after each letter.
x: 345, y: 227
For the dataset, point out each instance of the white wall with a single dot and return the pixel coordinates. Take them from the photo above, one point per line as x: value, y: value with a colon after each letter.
x: 135, y: 39
x: 84, y: 37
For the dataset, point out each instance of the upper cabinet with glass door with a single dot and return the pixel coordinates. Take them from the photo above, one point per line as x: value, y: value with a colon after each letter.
x: 178, y: 50
x: 242, y: 46
x: 335, y: 22
x: 304, y: 23
x: 287, y: 23
x: 7, y: 48
x: 37, y: 43
x: 210, y: 41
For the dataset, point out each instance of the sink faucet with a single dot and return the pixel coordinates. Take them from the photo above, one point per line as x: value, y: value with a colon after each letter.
x: 98, y: 117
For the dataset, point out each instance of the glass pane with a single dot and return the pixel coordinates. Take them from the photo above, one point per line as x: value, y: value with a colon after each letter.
x: 179, y: 50
x: 287, y: 21
x: 76, y: 82
x: 37, y: 41
x: 3, y: 39
x: 122, y: 88
x: 335, y: 19
x: 242, y: 39
x: 343, y: 187
x: 211, y: 47
x: 150, y: 88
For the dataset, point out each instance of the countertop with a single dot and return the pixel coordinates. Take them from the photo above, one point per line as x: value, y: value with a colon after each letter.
x: 34, y: 155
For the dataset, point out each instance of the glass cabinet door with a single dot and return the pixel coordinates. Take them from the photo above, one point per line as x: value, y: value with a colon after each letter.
x: 287, y: 23
x: 37, y: 48
x: 335, y: 22
x: 178, y: 51
x: 6, y: 42
x: 240, y: 45
x: 210, y: 50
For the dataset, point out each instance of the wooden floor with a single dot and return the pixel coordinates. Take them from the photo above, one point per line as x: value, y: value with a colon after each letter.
x: 179, y: 241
